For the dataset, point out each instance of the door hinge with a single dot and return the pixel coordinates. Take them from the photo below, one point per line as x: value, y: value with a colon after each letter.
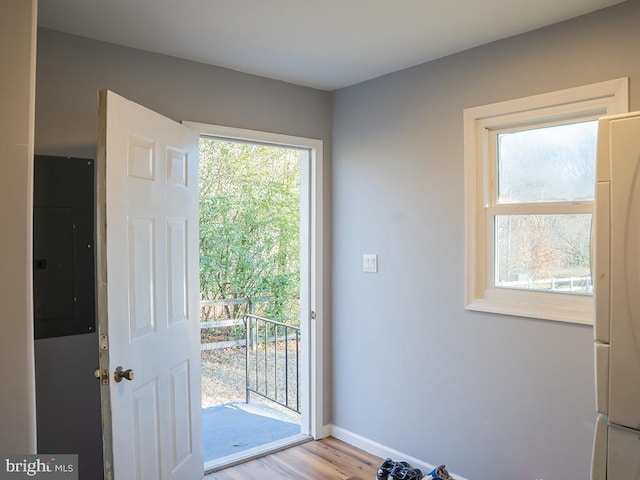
x: 104, y: 343
x: 313, y: 315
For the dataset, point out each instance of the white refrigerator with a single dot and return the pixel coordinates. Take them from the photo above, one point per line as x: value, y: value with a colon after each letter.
x: 616, y: 278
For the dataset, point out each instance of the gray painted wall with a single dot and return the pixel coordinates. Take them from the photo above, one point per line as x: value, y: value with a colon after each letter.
x: 17, y: 98
x: 70, y: 71
x: 492, y: 396
x: 68, y: 400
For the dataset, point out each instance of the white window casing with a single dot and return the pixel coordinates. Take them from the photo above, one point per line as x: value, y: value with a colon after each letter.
x: 481, y: 125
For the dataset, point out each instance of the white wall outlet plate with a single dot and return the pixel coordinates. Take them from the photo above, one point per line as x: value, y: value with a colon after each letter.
x: 370, y: 263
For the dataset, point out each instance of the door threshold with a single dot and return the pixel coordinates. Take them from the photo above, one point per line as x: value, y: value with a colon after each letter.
x: 253, y: 453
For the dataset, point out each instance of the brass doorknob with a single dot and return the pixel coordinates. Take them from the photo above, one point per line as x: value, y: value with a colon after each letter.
x: 120, y: 373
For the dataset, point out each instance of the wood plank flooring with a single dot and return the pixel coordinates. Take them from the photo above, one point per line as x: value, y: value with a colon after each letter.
x: 326, y: 459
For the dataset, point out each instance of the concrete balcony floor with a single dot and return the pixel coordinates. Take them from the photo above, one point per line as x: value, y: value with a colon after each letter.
x: 233, y: 427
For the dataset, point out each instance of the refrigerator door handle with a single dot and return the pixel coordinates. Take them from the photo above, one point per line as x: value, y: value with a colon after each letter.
x: 601, y: 241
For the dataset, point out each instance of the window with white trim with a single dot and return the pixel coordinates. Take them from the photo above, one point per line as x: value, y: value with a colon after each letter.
x: 529, y: 185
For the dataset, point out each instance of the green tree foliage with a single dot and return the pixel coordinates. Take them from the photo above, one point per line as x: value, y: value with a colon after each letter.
x: 249, y: 227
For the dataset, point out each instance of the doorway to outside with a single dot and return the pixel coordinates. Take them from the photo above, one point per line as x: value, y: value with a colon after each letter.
x: 257, y: 291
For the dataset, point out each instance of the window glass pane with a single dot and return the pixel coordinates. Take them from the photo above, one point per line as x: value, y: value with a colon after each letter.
x: 543, y: 252
x: 550, y: 164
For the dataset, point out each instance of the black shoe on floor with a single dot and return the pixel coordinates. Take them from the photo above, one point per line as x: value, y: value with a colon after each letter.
x: 402, y: 472
x: 384, y: 470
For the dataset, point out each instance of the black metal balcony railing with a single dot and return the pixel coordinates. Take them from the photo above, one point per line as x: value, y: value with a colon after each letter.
x: 272, y: 361
x: 205, y: 324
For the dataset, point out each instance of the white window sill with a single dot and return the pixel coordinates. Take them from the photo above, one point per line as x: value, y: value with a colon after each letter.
x: 541, y: 305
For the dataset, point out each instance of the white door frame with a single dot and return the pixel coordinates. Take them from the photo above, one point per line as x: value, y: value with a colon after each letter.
x: 314, y: 341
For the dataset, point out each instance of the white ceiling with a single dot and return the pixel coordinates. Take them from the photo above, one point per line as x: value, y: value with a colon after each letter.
x: 326, y: 44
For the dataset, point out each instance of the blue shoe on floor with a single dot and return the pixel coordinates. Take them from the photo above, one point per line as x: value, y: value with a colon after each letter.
x: 439, y: 473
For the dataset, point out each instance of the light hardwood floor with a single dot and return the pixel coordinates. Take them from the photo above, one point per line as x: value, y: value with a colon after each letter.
x: 326, y: 459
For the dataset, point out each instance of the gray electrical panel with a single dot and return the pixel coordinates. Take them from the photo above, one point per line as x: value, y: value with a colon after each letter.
x: 63, y: 246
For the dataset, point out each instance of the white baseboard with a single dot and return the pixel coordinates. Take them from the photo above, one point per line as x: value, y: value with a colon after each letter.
x: 380, y: 450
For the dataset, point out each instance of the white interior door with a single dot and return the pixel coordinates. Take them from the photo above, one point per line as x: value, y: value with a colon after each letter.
x: 148, y: 293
